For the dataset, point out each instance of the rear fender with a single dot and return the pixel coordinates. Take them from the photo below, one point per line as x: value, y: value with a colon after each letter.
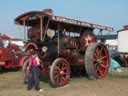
x: 31, y: 45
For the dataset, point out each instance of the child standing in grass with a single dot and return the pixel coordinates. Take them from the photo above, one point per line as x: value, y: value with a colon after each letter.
x: 34, y: 71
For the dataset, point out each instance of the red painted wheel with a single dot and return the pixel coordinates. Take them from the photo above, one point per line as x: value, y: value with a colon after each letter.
x: 97, y: 60
x: 60, y: 72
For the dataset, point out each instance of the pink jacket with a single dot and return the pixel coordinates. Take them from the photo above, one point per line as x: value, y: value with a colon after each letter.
x: 34, y: 60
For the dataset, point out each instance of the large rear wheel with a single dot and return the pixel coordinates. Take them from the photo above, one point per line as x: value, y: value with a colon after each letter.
x: 97, y: 60
x: 60, y: 72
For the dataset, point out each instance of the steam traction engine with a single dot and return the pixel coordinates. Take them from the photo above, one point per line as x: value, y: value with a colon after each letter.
x: 63, y: 43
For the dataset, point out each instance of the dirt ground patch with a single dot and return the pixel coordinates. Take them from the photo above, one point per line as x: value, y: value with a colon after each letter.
x: 116, y: 84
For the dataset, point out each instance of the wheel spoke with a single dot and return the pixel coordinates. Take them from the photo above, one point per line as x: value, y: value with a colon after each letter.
x: 95, y: 65
x: 59, y: 65
x: 62, y: 79
x: 62, y: 66
x: 95, y: 59
x: 55, y: 77
x: 98, y: 69
x: 95, y: 56
x: 100, y: 72
x: 104, y: 57
x: 101, y: 50
x: 57, y: 68
x: 101, y: 69
x: 57, y: 80
x: 56, y: 71
x: 104, y: 66
x: 97, y: 52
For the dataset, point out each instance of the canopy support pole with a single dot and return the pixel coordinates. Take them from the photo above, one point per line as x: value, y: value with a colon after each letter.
x: 24, y: 29
x: 41, y: 27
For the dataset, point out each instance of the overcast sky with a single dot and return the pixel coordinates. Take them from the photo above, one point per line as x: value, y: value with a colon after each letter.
x: 105, y: 12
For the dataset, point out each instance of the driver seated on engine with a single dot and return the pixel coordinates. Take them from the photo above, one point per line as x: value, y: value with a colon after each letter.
x: 34, y: 32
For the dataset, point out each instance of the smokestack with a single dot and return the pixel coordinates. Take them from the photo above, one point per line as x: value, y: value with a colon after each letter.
x: 48, y: 11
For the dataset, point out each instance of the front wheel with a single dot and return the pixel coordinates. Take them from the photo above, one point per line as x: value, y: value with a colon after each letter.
x: 59, y: 72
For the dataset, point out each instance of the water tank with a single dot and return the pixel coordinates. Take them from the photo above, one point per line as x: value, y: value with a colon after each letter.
x: 123, y: 40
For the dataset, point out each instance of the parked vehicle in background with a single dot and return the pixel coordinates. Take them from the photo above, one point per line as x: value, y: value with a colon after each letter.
x: 9, y: 53
x: 63, y: 44
x: 117, y: 57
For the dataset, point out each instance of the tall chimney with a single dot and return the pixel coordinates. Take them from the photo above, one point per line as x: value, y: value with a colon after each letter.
x: 48, y: 11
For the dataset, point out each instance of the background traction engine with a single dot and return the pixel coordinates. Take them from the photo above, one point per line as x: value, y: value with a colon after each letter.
x: 9, y: 57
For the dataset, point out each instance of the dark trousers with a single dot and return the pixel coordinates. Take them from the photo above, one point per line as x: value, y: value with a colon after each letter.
x: 34, y: 78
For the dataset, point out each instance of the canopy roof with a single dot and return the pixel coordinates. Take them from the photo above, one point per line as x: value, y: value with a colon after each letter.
x: 35, y: 15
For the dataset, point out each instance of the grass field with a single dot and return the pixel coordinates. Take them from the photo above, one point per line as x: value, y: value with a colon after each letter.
x: 116, y: 84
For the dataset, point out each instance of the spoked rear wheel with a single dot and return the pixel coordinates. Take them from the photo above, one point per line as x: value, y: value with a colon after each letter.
x: 97, y: 60
x: 60, y: 72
